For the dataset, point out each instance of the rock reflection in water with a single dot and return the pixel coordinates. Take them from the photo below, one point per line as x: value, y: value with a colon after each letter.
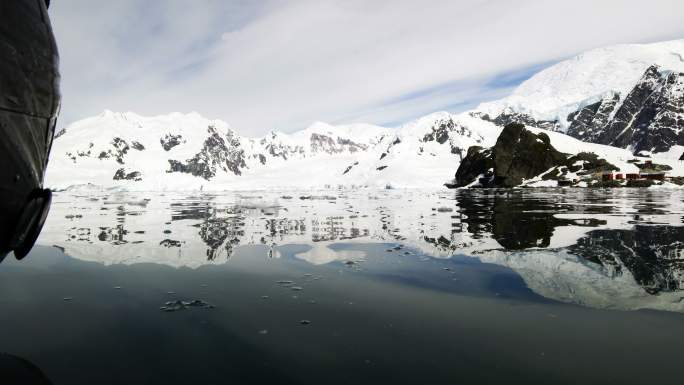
x: 654, y: 255
x: 562, y: 242
x: 515, y: 221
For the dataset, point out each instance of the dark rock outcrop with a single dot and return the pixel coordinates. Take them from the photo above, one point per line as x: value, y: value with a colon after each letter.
x: 217, y: 153
x: 324, y: 143
x: 651, y: 254
x: 518, y: 154
x: 651, y: 117
x: 509, y: 116
x: 588, y: 122
x: 120, y: 149
x: 440, y: 132
x: 279, y: 150
x: 584, y: 163
x: 447, y: 130
x: 350, y: 167
x: 121, y: 174
x: 478, y: 163
x: 170, y: 141
x: 521, y: 154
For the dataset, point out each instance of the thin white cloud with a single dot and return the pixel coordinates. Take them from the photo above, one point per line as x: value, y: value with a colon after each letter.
x: 283, y: 64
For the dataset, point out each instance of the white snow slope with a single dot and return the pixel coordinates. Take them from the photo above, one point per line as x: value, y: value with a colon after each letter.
x: 565, y: 87
x: 422, y: 153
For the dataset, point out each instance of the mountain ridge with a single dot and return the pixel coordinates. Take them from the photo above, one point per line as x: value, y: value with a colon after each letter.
x: 188, y: 151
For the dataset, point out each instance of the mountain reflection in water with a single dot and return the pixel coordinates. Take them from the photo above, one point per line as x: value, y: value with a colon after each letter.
x: 520, y: 286
x: 601, y: 248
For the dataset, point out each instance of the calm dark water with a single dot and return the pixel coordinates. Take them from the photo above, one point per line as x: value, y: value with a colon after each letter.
x: 402, y: 287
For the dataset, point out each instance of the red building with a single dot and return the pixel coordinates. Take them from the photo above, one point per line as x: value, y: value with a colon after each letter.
x: 653, y: 175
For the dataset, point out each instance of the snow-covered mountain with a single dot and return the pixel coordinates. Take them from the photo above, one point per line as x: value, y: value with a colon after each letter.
x: 187, y: 151
x: 627, y: 96
x: 181, y: 152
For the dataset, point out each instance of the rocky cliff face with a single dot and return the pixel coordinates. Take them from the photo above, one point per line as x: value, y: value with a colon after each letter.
x: 650, y: 118
x: 508, y: 116
x: 189, y: 152
x: 588, y: 122
x: 518, y: 154
x: 218, y: 152
x: 654, y: 255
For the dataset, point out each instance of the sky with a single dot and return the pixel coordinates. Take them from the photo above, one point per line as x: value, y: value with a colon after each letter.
x: 264, y: 65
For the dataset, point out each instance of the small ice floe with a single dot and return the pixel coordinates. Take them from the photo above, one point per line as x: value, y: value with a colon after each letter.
x: 296, y: 288
x: 117, y: 287
x: 284, y: 282
x: 182, y: 305
x: 305, y: 322
x: 67, y: 298
x: 265, y: 297
x: 170, y: 292
x: 263, y: 332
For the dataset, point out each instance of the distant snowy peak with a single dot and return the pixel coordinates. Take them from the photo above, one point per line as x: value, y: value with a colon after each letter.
x: 650, y: 118
x: 557, y: 91
x: 189, y: 152
x: 321, y: 138
x: 423, y: 152
x: 628, y: 96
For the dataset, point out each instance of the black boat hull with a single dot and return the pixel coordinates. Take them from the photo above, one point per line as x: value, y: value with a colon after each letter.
x: 29, y: 104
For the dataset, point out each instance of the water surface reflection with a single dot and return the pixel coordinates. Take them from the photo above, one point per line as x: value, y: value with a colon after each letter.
x: 608, y: 238
x: 352, y: 287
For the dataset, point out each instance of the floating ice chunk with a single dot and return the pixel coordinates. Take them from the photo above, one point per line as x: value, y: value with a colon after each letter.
x: 182, y: 305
